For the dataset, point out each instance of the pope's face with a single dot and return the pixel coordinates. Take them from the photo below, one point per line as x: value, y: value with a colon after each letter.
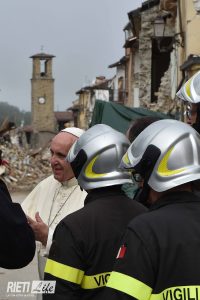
x: 59, y: 148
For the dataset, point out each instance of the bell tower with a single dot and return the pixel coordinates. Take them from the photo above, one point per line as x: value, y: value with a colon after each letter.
x: 42, y: 93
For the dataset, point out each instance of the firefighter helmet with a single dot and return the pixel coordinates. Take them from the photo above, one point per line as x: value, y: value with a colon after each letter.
x: 166, y: 154
x: 96, y: 155
x: 190, y: 91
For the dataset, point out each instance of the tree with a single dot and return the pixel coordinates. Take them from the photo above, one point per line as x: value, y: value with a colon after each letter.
x: 13, y: 114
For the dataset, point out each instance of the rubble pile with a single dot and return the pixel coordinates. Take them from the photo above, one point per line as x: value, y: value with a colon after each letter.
x: 23, y: 169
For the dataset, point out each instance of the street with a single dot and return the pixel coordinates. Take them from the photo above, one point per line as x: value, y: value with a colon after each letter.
x: 17, y: 277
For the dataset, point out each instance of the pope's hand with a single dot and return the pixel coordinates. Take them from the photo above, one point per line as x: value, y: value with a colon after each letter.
x: 40, y: 229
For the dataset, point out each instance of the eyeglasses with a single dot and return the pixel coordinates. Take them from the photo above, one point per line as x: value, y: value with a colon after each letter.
x: 137, y: 177
x: 188, y: 111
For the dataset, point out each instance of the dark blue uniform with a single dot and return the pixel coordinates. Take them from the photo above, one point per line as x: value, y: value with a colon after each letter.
x: 159, y: 257
x: 17, y: 241
x: 86, y: 243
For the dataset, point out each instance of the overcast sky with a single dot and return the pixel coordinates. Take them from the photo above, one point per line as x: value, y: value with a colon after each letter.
x: 85, y: 36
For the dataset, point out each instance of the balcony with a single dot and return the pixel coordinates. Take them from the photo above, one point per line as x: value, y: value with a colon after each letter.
x: 118, y: 95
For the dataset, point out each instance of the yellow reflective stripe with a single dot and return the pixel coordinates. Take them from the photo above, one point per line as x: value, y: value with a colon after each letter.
x: 163, y: 168
x: 179, y: 292
x: 125, y: 159
x: 89, y: 171
x: 187, y: 87
x: 63, y: 271
x: 129, y: 285
x: 95, y: 281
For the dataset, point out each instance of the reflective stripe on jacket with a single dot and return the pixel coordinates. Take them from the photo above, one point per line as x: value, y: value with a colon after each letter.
x: 86, y: 243
x: 162, y: 257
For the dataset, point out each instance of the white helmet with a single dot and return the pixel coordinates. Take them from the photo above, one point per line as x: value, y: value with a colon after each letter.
x: 166, y: 154
x: 190, y: 91
x: 96, y: 155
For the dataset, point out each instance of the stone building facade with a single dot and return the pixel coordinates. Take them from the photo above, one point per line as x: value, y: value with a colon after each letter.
x: 150, y: 61
x: 155, y: 66
x: 155, y: 63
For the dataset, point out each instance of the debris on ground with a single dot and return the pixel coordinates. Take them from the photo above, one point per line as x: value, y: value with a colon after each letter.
x: 22, y: 169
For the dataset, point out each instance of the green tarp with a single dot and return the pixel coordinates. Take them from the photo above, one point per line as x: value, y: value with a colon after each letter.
x: 119, y: 116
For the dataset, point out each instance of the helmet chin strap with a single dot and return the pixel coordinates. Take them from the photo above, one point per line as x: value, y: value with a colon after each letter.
x: 142, y: 195
x: 196, y: 126
x: 145, y: 169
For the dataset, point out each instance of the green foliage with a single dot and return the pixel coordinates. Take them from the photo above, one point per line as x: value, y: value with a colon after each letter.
x: 13, y: 114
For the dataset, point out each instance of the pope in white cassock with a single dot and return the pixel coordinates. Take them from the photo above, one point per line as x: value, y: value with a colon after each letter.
x: 56, y: 196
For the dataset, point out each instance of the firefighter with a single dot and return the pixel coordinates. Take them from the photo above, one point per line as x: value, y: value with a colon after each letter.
x: 135, y: 128
x: 86, y: 242
x: 190, y: 95
x: 159, y: 257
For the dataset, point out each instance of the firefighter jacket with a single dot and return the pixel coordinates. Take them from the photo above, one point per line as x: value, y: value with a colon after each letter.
x: 86, y: 242
x: 17, y: 239
x: 159, y: 258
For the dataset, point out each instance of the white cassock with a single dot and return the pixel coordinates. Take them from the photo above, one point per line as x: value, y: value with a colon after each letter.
x: 53, y: 201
